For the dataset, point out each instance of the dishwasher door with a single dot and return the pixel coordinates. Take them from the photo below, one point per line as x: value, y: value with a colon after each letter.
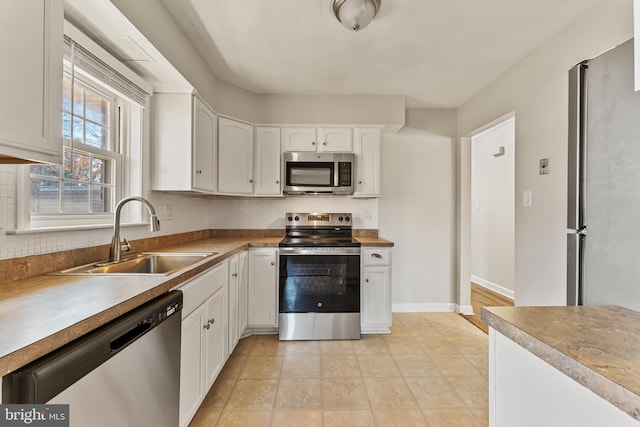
x: 127, y: 373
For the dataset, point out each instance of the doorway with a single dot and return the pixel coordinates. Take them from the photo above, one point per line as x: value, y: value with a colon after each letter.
x: 491, y: 227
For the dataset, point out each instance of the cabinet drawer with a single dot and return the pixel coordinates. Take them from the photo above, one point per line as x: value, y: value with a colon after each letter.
x: 376, y: 256
x: 202, y: 287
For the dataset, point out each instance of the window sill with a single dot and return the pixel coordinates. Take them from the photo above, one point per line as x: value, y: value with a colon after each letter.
x: 72, y: 228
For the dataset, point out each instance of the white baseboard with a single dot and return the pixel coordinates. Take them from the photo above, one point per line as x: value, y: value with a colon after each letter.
x: 465, y: 309
x: 496, y: 288
x: 423, y: 308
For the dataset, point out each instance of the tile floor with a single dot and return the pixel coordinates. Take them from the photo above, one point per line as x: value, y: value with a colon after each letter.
x: 430, y: 371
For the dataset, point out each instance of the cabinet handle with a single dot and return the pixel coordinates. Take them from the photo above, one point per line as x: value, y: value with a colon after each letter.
x: 273, y: 263
x: 207, y: 326
x: 199, y: 171
x: 212, y: 321
x: 375, y: 255
x: 234, y: 275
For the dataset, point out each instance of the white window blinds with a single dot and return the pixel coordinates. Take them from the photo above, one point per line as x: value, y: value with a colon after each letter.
x: 78, y: 56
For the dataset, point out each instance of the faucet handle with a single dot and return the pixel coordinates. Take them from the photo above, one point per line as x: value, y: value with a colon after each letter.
x: 125, y: 246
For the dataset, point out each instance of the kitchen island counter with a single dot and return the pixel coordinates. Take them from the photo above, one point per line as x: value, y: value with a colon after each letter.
x: 596, y: 346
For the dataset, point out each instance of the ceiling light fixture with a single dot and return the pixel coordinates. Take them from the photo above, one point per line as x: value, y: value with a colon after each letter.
x: 355, y: 14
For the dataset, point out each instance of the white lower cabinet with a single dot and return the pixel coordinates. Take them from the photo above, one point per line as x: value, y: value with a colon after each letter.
x: 237, y: 298
x: 375, y: 292
x: 263, y: 288
x: 204, y: 337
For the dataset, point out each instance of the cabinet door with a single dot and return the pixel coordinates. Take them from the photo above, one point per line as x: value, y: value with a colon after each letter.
x: 299, y: 139
x: 263, y: 288
x: 376, y: 299
x: 335, y: 139
x: 235, y: 157
x: 267, y: 165
x: 192, y: 356
x: 367, y: 150
x: 215, y: 336
x: 205, y: 135
x: 233, y: 302
x: 31, y: 84
x: 243, y: 264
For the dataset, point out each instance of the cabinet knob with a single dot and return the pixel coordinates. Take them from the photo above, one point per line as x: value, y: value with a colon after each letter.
x: 212, y: 321
x: 207, y: 326
x: 251, y: 180
x: 273, y: 263
x: 324, y: 143
x: 313, y: 143
x: 277, y: 182
x: 359, y: 182
x: 366, y: 280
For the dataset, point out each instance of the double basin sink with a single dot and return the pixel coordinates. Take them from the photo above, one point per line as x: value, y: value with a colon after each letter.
x: 146, y: 263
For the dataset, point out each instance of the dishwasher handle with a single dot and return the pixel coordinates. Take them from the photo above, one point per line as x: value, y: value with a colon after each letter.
x: 131, y: 335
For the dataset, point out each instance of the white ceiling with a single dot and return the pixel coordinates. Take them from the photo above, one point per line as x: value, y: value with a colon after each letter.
x: 437, y: 53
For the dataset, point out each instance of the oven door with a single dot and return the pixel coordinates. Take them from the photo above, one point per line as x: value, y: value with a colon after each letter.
x: 319, y: 293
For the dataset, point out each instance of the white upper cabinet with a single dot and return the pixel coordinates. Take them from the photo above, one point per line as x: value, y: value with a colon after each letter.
x: 299, y: 139
x: 335, y: 139
x: 323, y: 139
x: 235, y: 157
x: 31, y: 83
x: 185, y: 144
x: 367, y: 150
x: 205, y: 134
x: 267, y: 162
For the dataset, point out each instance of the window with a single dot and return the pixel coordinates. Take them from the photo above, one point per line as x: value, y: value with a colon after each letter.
x: 102, y: 135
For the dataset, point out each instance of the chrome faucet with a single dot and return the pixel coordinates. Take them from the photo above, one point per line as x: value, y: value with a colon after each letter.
x: 117, y: 247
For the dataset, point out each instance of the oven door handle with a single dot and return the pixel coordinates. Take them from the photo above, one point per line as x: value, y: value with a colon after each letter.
x: 320, y: 251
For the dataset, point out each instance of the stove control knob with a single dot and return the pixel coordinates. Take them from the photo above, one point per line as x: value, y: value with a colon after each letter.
x: 347, y: 219
x: 319, y: 304
x: 290, y: 219
x: 297, y: 218
x: 340, y: 219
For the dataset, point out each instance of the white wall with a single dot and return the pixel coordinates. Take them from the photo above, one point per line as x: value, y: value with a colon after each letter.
x: 416, y: 211
x: 536, y: 89
x: 493, y: 204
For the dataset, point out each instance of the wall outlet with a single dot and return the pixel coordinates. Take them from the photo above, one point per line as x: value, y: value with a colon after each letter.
x: 544, y: 166
x: 168, y: 212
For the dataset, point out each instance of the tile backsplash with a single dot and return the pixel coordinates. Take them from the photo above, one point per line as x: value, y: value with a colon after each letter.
x: 177, y: 214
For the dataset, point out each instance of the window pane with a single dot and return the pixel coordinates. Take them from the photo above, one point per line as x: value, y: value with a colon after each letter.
x: 81, y: 166
x: 75, y: 197
x: 45, y: 196
x: 101, y: 199
x: 66, y: 126
x: 96, y: 136
x: 46, y: 170
x: 66, y: 94
x: 77, y: 129
x: 98, y: 170
x: 78, y: 95
x: 97, y: 109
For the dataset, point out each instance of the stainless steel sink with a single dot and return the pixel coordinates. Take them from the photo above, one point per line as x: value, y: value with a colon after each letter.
x: 148, y: 263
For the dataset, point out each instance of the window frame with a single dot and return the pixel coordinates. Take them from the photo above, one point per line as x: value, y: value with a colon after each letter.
x: 129, y: 138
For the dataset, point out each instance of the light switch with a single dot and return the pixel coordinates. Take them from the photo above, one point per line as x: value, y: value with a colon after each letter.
x: 527, y: 198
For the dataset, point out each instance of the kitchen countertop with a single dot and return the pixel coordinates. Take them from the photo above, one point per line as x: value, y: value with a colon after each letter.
x: 597, y: 346
x: 42, y: 313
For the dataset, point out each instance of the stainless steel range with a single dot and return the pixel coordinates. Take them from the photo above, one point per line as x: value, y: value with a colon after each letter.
x: 319, y: 278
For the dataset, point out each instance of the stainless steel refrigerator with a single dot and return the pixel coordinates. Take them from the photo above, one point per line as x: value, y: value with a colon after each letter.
x: 603, y: 237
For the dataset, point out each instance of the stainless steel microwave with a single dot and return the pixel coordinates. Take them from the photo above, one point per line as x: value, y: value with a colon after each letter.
x: 318, y: 173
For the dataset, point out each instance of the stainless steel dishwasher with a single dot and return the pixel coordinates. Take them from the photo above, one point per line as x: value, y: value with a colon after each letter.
x: 126, y: 373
